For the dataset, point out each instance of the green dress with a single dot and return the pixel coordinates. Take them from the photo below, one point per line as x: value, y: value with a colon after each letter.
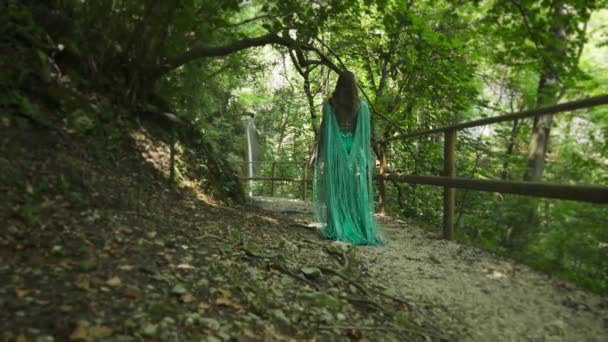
x: 342, y: 186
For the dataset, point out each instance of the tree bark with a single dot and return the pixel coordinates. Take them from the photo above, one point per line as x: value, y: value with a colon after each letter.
x: 381, y: 184
x: 548, y: 90
x: 510, y: 147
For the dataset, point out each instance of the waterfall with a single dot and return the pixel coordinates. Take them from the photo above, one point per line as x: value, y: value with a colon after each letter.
x: 251, y: 149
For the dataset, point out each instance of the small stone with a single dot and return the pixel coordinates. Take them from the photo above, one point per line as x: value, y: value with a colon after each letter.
x: 168, y: 321
x: 192, y: 319
x: 114, y: 282
x: 189, y: 321
x: 557, y: 328
x: 179, y: 289
x: 150, y: 329
x: 210, y: 339
x: 339, y: 246
x: 311, y: 272
x: 210, y: 323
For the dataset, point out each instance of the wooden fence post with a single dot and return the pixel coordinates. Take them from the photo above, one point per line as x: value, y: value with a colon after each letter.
x: 305, y: 181
x: 272, y: 181
x: 449, y: 194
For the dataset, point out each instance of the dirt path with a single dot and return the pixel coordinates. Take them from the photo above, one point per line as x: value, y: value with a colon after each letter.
x: 471, y: 293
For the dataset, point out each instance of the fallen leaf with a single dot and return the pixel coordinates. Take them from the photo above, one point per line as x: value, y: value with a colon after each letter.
x: 227, y: 300
x: 21, y: 293
x: 21, y: 338
x: 84, y: 331
x: 100, y: 331
x: 132, y: 291
x: 187, y: 297
x: 42, y: 302
x: 114, y: 282
x: 83, y: 283
x: 81, y: 331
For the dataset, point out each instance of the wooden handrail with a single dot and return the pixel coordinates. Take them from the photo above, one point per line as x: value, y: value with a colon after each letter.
x: 555, y: 109
x: 283, y: 179
x: 582, y: 193
x: 269, y: 161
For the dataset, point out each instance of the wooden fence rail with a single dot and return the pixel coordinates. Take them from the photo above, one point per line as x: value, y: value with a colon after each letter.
x: 273, y: 178
x: 449, y: 181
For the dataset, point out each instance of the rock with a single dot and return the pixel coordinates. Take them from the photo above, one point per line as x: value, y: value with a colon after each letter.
x: 556, y: 328
x: 114, y: 282
x: 311, y: 272
x: 150, y: 330
x: 179, y: 289
x: 339, y: 247
x: 167, y: 321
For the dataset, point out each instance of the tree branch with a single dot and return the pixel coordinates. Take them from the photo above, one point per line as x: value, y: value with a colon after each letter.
x: 203, y: 51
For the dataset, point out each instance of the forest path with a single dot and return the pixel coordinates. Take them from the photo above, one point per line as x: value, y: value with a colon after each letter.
x: 469, y: 292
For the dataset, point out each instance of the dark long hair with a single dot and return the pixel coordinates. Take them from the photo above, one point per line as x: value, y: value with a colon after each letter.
x: 345, y: 99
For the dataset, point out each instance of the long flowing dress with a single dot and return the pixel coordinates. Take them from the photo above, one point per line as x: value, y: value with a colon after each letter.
x: 342, y: 185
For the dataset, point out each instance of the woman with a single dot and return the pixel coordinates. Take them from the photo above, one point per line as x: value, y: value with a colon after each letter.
x: 342, y: 186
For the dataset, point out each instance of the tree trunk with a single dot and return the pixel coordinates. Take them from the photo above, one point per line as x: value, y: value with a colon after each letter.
x: 381, y: 181
x: 548, y: 90
x: 311, y: 102
x: 510, y: 147
x: 553, y: 60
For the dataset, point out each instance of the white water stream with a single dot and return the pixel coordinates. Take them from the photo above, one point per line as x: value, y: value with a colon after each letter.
x: 250, y: 132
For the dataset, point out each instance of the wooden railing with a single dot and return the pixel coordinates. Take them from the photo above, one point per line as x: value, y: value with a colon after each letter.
x: 449, y: 181
x: 305, y: 180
